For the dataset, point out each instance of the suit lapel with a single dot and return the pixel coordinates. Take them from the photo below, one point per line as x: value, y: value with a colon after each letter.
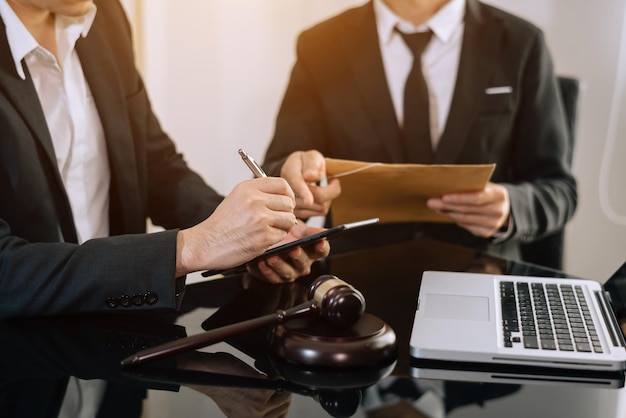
x: 22, y: 95
x: 481, y: 39
x: 361, y: 45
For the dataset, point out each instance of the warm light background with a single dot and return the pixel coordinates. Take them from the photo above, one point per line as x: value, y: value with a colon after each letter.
x: 217, y: 69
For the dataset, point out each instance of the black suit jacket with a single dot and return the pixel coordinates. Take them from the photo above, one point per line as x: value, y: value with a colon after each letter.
x: 337, y: 102
x: 38, y: 273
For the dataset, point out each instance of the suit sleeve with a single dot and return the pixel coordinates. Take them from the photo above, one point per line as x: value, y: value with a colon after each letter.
x: 542, y: 189
x: 301, y: 121
x: 122, y: 273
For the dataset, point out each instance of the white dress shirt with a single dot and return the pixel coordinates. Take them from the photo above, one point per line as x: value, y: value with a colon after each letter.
x: 440, y: 60
x: 71, y: 114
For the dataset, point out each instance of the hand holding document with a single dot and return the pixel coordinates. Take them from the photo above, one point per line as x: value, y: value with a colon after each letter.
x: 398, y: 192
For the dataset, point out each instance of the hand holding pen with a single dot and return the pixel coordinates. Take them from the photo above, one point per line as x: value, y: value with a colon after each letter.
x: 280, y: 270
x: 253, y: 165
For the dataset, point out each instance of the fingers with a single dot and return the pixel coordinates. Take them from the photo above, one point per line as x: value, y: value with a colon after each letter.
x: 261, y: 194
x: 482, y: 213
x: 277, y: 270
x: 300, y: 170
x: 269, y: 200
x: 313, y: 166
x: 296, y: 263
x: 481, y: 221
x: 271, y: 185
x: 304, y: 170
x: 322, y: 199
x: 256, y: 214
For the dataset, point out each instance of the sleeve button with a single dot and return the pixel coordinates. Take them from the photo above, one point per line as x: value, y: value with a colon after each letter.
x: 151, y: 298
x: 124, y: 301
x: 137, y: 300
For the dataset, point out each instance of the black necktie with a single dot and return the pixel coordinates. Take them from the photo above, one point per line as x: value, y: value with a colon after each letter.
x: 416, y: 125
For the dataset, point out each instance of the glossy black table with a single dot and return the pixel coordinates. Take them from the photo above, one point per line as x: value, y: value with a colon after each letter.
x: 240, y: 377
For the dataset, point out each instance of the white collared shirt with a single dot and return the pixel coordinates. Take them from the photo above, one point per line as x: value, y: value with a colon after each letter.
x: 440, y: 60
x: 71, y: 115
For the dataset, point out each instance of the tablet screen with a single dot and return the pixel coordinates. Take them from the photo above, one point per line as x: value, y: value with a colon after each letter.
x: 284, y: 248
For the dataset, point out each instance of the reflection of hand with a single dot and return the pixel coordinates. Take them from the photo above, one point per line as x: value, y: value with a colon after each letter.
x: 270, y: 298
x: 297, y: 262
x: 482, y: 213
x: 257, y: 214
x: 402, y: 409
x: 304, y: 170
x: 487, y: 265
x: 236, y: 402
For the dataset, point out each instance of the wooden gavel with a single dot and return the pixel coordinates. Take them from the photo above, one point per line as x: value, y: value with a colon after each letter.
x: 330, y: 298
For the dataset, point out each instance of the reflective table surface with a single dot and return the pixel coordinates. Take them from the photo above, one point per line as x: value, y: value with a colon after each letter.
x: 243, y: 376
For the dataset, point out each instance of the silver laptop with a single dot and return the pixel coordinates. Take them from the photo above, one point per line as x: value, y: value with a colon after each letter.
x: 522, y: 320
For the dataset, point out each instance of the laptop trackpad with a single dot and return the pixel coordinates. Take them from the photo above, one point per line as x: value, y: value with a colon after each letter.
x: 469, y: 308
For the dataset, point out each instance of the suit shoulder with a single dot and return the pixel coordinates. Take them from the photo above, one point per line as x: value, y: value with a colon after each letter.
x: 113, y: 14
x: 328, y: 30
x: 512, y: 22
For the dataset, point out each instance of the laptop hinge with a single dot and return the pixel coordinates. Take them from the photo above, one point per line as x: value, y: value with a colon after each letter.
x: 617, y: 337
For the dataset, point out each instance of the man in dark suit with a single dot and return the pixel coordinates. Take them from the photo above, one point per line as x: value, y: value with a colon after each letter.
x: 493, y: 98
x: 84, y: 163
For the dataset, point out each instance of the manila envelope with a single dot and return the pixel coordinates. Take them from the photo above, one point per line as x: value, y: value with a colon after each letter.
x: 398, y: 192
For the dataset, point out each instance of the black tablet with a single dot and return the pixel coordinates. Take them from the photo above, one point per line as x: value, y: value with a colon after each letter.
x: 285, y: 248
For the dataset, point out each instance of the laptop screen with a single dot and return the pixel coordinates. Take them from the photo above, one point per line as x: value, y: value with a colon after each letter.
x: 616, y: 287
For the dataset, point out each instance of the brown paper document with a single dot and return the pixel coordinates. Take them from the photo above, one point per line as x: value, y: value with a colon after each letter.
x: 398, y: 192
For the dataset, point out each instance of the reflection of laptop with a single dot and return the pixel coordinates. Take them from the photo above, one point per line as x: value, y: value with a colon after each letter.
x: 513, y: 374
x: 505, y: 319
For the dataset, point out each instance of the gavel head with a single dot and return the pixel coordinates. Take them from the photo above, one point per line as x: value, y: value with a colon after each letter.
x: 337, y: 301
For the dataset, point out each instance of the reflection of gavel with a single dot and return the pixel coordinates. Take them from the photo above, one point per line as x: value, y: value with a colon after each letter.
x: 339, y: 395
x: 331, y: 298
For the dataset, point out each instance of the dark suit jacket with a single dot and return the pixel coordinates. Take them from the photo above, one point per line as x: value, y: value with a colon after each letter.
x: 40, y: 275
x: 337, y: 102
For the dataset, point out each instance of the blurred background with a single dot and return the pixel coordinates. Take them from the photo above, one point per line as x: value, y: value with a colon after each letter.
x: 217, y: 69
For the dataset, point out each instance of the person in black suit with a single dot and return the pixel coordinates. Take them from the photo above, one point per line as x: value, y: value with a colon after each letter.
x: 84, y: 163
x: 493, y: 98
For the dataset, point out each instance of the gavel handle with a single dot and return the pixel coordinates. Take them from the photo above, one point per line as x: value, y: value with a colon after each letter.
x: 216, y: 335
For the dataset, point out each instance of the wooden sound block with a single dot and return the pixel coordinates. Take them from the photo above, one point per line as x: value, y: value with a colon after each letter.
x: 312, y: 341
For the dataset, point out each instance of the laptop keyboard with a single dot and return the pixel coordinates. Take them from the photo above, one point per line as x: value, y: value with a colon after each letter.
x: 548, y: 317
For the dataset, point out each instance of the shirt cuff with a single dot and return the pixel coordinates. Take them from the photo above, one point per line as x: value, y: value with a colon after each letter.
x: 503, y: 234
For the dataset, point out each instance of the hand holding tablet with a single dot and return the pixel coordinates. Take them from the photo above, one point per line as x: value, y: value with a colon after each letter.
x: 285, y: 248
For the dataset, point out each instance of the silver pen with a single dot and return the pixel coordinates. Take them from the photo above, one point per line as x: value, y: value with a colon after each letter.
x: 252, y: 165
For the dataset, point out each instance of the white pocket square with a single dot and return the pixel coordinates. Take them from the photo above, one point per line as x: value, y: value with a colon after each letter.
x: 499, y: 90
